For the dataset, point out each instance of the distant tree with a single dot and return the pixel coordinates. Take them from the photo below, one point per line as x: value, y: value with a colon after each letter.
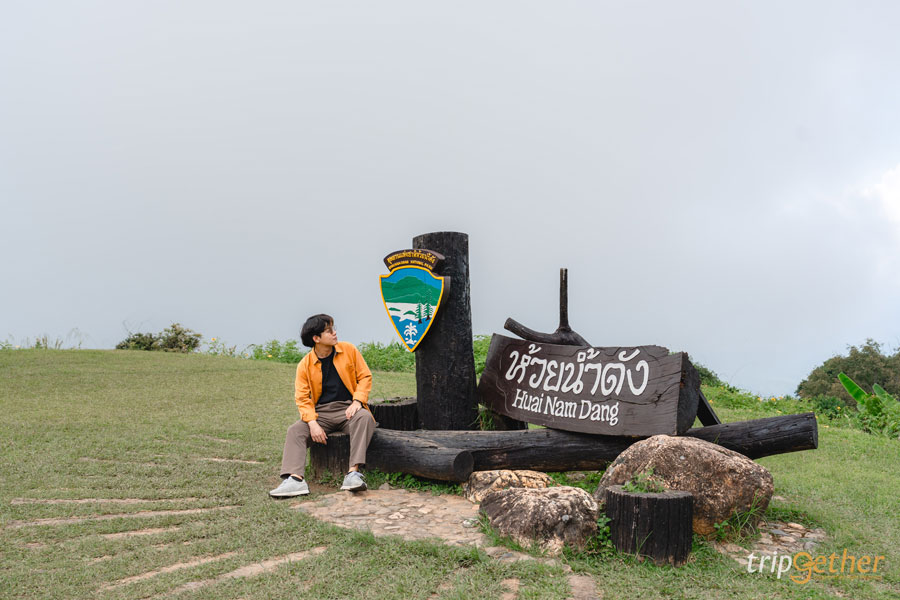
x: 708, y: 376
x: 866, y: 365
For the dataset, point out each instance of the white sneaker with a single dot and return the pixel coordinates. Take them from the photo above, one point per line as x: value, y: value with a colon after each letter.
x: 290, y: 487
x: 354, y: 482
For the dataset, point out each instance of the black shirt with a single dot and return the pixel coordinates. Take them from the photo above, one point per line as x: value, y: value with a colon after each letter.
x: 333, y: 389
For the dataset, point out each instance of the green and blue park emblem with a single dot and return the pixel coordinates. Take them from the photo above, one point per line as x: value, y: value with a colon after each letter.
x: 412, y: 293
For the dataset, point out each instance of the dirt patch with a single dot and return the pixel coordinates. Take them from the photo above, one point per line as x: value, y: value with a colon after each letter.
x: 176, y: 567
x: 582, y: 588
x: 512, y: 589
x: 137, y: 532
x: 97, y: 500
x: 143, y: 513
x: 230, y: 460
x: 251, y: 570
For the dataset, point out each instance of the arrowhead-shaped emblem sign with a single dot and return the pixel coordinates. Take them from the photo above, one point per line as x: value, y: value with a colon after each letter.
x: 412, y: 293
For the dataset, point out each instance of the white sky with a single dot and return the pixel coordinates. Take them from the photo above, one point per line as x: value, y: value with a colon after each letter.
x: 719, y: 178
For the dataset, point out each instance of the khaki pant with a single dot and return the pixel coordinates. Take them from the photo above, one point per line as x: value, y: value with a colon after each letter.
x: 331, y: 418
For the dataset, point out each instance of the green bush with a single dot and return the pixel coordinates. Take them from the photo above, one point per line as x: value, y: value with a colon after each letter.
x: 708, y: 376
x: 139, y: 341
x: 174, y: 338
x: 878, y: 412
x: 388, y: 357
x: 480, y: 345
x: 830, y: 407
x: 866, y: 365
x: 380, y: 357
x: 287, y: 352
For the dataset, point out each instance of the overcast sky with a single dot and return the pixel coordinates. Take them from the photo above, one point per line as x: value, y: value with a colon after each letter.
x: 721, y: 178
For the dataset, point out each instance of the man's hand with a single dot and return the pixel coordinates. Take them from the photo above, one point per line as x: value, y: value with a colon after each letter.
x: 353, y: 409
x: 317, y: 433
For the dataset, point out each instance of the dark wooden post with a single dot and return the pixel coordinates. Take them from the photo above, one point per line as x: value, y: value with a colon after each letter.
x: 445, y: 364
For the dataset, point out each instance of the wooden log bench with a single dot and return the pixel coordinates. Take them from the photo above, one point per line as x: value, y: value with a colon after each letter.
x: 392, y: 451
x: 446, y: 455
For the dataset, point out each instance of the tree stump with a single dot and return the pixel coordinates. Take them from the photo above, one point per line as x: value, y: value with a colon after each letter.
x: 331, y: 460
x: 401, y: 414
x: 657, y: 526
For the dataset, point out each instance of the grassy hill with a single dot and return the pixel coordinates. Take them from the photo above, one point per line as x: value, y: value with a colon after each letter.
x: 175, y: 433
x: 411, y: 290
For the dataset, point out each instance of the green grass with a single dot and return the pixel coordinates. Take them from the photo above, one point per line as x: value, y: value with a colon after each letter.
x: 117, y: 424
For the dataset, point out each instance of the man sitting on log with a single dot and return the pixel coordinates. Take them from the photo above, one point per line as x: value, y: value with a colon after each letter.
x: 331, y: 390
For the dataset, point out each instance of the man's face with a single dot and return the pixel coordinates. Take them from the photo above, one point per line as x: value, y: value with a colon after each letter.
x: 328, y: 337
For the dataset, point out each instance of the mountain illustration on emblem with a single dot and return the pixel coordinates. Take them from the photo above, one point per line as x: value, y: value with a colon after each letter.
x: 411, y: 296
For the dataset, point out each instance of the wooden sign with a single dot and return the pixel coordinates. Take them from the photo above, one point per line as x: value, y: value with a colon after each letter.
x: 638, y: 391
x: 411, y: 293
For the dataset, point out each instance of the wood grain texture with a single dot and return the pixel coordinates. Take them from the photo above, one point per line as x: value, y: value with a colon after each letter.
x: 395, y: 413
x: 392, y: 452
x: 657, y: 526
x: 634, y: 391
x: 445, y: 364
x: 555, y: 450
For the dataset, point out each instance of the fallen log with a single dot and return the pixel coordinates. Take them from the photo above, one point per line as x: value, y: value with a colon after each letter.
x: 764, y: 437
x: 392, y: 451
x: 555, y: 450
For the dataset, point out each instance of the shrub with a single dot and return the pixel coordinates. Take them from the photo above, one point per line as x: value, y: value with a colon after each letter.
x: 287, y: 352
x: 830, y: 407
x: 645, y: 482
x: 867, y: 365
x: 388, y: 357
x: 217, y: 347
x: 174, y: 338
x: 879, y: 412
x: 708, y: 376
x: 480, y: 345
x: 139, y: 341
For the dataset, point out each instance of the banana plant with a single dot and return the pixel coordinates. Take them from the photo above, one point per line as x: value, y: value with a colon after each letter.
x: 872, y: 403
x: 882, y: 393
x: 878, y: 412
x: 854, y: 390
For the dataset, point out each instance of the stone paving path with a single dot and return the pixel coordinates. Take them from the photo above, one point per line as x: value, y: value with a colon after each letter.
x: 776, y: 537
x: 417, y: 516
x: 410, y: 515
x: 453, y: 519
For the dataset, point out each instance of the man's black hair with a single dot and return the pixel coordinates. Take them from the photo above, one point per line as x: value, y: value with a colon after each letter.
x: 314, y: 325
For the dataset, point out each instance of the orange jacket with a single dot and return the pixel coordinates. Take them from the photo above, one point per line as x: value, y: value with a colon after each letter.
x: 349, y: 364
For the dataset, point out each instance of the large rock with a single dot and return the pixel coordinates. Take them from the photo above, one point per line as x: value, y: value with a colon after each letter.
x: 551, y: 517
x: 482, y: 482
x: 723, y: 482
